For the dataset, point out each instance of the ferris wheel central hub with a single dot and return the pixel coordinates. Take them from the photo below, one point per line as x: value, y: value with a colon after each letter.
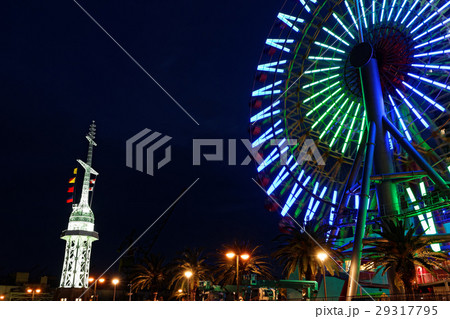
x: 361, y: 54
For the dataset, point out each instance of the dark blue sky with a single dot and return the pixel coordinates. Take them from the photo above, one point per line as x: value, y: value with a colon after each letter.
x: 60, y: 71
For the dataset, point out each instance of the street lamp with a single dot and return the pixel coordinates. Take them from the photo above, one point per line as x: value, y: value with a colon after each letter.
x: 100, y: 280
x: 244, y: 257
x: 115, y: 281
x: 188, y: 275
x: 33, y: 291
x: 322, y: 257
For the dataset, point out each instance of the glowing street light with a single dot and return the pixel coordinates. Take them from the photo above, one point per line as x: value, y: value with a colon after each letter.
x: 33, y: 291
x: 322, y: 257
x: 244, y: 257
x: 115, y: 282
x: 100, y: 280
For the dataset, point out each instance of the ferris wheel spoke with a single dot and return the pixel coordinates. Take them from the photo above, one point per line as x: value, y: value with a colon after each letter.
x: 442, y: 24
x: 295, y: 192
x: 363, y: 11
x: 431, y: 17
x: 427, y: 225
x: 343, y: 26
x: 267, y: 90
x: 311, y: 203
x: 382, y: 10
x: 317, y: 107
x: 267, y: 112
x: 324, y: 58
x: 431, y: 66
x: 290, y: 21
x: 427, y: 80
x: 392, y: 10
x: 425, y: 97
x: 405, y: 130
x: 335, y: 36
x: 319, y: 120
x: 272, y: 67
x: 304, y: 3
x: 333, y: 119
x: 409, y: 11
x: 420, y: 13
x: 280, y: 44
x: 433, y: 53
x: 321, y: 92
x: 341, y: 124
x: 274, y: 155
x: 267, y: 134
x: 350, y: 130
x: 355, y: 24
x: 361, y: 131
x: 412, y: 108
x: 437, y: 40
x: 332, y: 215
x: 323, y: 45
x: 400, y: 11
x: 312, y: 211
x: 322, y: 70
x: 320, y: 81
x: 282, y: 175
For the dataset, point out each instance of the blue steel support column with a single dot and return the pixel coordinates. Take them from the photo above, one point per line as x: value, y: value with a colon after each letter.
x: 362, y: 214
x: 362, y: 57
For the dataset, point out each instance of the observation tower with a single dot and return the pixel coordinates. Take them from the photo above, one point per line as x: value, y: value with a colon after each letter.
x: 79, y: 234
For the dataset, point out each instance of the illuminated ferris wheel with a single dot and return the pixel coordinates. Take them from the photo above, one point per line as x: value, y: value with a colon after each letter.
x: 366, y: 82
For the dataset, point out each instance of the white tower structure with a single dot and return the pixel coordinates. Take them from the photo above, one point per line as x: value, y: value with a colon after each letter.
x: 80, y: 232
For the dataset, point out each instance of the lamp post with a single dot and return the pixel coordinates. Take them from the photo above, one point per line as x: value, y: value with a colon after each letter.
x: 100, y: 280
x: 244, y: 257
x: 115, y: 281
x: 33, y: 291
x: 322, y: 257
x: 188, y: 275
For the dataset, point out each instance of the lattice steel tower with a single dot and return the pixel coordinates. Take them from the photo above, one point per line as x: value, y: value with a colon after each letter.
x: 80, y: 232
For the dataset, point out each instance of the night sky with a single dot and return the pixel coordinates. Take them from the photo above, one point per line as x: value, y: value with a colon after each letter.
x: 60, y: 71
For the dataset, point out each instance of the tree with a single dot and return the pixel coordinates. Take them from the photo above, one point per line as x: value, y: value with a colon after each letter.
x: 257, y: 263
x: 299, y: 248
x: 189, y: 260
x: 401, y: 250
x: 151, y: 275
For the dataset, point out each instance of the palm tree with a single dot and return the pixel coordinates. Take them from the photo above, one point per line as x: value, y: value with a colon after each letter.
x: 299, y: 248
x: 256, y: 263
x: 189, y: 260
x: 151, y: 275
x: 400, y: 250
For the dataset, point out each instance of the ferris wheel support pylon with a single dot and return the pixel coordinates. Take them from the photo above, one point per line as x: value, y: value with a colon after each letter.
x: 377, y: 150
